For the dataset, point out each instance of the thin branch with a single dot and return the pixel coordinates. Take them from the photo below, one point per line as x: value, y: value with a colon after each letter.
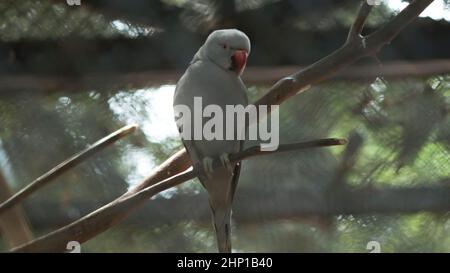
x: 358, y: 25
x: 255, y: 150
x: 100, y: 220
x: 65, y: 166
x: 105, y: 217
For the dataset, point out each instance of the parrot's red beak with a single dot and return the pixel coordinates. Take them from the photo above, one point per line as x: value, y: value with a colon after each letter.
x: 239, y: 60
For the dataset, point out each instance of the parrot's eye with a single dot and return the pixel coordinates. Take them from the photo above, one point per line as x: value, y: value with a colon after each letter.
x: 225, y: 46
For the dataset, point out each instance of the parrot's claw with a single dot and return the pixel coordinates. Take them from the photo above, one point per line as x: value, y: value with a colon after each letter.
x: 207, y: 166
x: 225, y: 159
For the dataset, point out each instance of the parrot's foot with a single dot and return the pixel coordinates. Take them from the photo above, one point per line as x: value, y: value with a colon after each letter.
x: 225, y: 159
x: 207, y: 164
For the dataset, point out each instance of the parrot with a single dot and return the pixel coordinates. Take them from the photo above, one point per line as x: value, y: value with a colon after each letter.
x: 214, y: 74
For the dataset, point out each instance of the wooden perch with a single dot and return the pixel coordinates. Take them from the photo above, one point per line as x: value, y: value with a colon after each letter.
x: 105, y: 217
x: 65, y: 166
x: 355, y: 48
x: 96, y: 222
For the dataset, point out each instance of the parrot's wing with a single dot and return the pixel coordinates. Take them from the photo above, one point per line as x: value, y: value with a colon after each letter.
x: 234, y: 182
x: 183, y: 96
x: 237, y: 168
x: 193, y: 154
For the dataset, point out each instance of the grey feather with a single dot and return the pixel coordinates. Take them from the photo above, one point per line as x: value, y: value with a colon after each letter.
x: 209, y: 77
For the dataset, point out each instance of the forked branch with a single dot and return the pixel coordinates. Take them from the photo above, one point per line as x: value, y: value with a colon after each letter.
x: 95, y: 222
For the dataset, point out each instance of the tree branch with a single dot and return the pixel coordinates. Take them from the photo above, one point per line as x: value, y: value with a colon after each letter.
x: 358, y: 25
x: 106, y: 216
x: 65, y: 166
x: 347, y: 54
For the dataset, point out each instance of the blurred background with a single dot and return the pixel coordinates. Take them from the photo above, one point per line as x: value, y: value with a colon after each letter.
x: 70, y: 75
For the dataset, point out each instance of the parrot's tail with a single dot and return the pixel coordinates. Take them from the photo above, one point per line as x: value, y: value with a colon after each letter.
x: 222, y: 226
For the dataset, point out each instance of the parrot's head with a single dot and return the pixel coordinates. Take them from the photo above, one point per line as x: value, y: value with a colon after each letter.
x: 228, y: 48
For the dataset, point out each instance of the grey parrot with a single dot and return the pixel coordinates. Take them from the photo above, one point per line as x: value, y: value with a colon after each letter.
x: 214, y: 75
